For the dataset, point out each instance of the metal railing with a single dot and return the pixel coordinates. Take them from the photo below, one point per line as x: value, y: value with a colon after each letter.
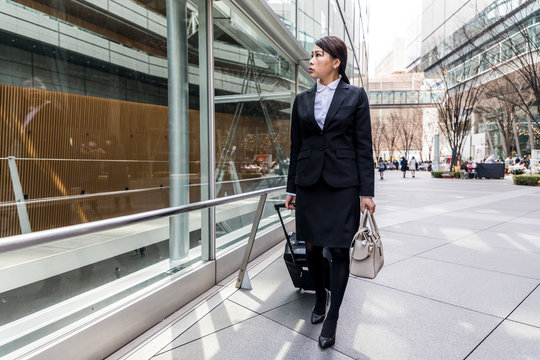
x: 23, y: 241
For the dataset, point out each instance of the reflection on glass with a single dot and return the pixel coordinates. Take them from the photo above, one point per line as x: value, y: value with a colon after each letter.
x: 233, y: 222
x: 83, y: 110
x: 254, y: 88
x: 286, y: 11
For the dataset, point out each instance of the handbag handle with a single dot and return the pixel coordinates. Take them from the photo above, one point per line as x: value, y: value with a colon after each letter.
x: 368, y: 216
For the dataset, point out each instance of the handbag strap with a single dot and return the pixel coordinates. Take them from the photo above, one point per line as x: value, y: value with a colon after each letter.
x: 368, y: 216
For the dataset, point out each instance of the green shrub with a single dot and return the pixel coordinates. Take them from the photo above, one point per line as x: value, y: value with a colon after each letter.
x: 531, y: 180
x: 445, y: 174
x: 437, y: 174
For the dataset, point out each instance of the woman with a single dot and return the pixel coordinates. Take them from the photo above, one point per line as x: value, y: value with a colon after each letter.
x: 412, y: 166
x: 331, y: 165
x: 382, y: 168
x: 404, y: 166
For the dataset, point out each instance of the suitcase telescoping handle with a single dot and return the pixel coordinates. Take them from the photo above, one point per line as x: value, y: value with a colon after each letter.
x: 278, y: 207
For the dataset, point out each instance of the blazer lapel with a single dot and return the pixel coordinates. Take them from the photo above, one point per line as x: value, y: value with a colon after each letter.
x: 339, y: 96
x: 311, y: 105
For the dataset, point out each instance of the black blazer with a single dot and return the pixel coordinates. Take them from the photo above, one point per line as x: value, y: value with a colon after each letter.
x: 342, y: 151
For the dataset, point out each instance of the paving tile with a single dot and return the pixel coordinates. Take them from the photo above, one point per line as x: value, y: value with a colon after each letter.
x: 258, y: 338
x: 484, y: 215
x: 514, y: 241
x: 475, y: 289
x: 519, y: 203
x: 495, y: 211
x: 510, y: 341
x: 435, y: 231
x: 381, y: 323
x: 484, y: 256
x: 271, y: 288
x: 223, y: 316
x: 461, y: 220
x: 532, y: 215
x: 517, y: 228
x: 400, y: 246
x: 529, y: 311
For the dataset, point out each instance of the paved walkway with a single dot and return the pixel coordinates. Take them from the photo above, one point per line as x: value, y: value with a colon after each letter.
x: 461, y: 281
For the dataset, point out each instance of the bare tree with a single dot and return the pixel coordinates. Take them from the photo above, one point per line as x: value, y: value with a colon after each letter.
x: 499, y: 104
x: 455, y: 107
x: 391, y: 136
x: 409, y: 126
x: 429, y: 128
x: 378, y: 129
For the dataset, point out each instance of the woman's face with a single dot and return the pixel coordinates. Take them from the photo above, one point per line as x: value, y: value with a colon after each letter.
x: 321, y: 64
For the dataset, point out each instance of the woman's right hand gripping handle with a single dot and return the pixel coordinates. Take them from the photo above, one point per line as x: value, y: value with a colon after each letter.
x: 290, y: 202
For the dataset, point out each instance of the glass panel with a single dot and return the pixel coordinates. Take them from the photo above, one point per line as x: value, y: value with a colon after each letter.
x: 312, y: 22
x: 234, y: 221
x: 254, y: 87
x: 83, y: 104
x: 109, y: 267
x: 86, y: 110
x: 321, y: 20
x: 305, y: 81
x: 286, y: 11
x: 337, y: 27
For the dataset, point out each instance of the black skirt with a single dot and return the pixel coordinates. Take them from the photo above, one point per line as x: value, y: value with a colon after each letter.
x: 327, y: 216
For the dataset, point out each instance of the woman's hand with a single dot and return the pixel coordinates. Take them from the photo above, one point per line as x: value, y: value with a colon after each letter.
x: 289, y: 200
x: 369, y: 203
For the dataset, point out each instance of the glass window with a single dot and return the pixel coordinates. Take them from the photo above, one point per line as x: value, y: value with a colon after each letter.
x: 286, y: 11
x: 337, y: 27
x: 84, y: 109
x: 254, y: 87
x: 88, y: 111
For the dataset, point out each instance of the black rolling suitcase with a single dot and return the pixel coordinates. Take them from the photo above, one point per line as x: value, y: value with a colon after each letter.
x: 295, y: 257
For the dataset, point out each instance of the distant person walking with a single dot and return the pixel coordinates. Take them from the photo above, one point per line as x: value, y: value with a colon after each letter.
x: 404, y: 165
x: 382, y: 168
x: 412, y: 166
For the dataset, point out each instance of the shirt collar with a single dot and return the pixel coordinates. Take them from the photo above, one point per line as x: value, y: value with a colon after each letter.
x: 332, y: 86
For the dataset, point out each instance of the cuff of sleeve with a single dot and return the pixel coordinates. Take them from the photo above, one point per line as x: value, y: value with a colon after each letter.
x: 288, y: 193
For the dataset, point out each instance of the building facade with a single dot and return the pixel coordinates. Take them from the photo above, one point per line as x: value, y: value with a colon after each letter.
x: 491, y: 46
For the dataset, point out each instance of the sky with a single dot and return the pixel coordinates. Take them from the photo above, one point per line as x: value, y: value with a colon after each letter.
x: 388, y: 18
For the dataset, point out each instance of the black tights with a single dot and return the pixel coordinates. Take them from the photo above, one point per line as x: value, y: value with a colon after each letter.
x: 339, y: 276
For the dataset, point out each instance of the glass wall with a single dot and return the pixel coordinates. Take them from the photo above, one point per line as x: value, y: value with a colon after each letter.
x: 346, y: 19
x: 84, y: 110
x: 254, y: 89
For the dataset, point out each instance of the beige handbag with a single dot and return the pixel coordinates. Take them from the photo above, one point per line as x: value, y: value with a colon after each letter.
x: 367, y: 256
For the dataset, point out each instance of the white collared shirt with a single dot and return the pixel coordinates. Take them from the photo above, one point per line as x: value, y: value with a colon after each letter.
x: 323, y: 99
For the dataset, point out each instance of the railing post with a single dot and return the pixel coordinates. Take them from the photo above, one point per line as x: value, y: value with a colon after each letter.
x: 24, y: 221
x: 243, y: 277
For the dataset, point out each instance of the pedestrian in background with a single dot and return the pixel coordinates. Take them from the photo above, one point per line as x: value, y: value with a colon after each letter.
x: 382, y: 168
x: 404, y: 166
x: 412, y: 166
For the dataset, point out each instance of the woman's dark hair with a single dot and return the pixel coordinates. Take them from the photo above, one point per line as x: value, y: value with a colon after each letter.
x: 337, y: 50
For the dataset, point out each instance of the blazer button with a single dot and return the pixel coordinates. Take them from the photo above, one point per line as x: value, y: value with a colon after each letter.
x: 322, y: 132
x: 322, y: 148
